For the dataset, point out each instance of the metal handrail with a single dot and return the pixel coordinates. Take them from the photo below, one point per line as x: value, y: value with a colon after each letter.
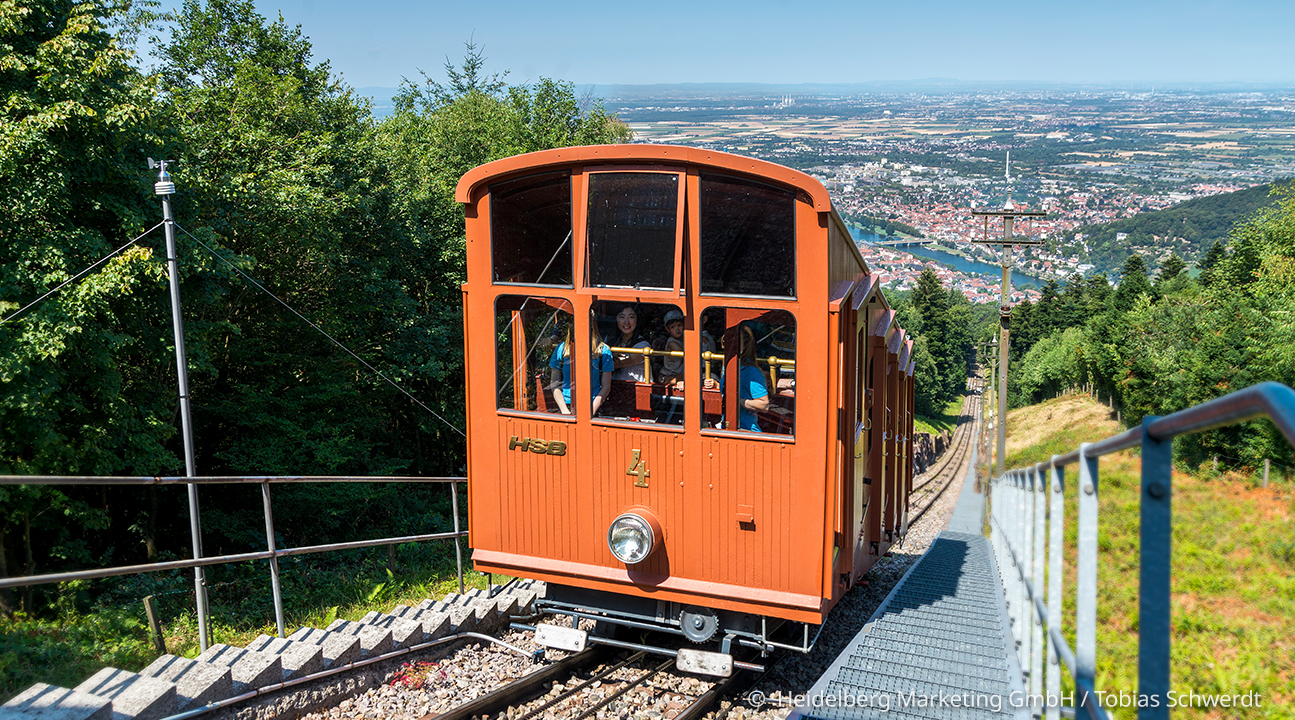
x: 213, y: 479
x: 272, y: 553
x: 1019, y: 520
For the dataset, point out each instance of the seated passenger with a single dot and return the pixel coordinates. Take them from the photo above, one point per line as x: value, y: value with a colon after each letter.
x: 601, y: 367
x: 672, y: 367
x: 629, y: 366
x: 753, y: 388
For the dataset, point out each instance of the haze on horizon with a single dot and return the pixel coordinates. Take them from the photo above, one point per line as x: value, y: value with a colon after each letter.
x: 1118, y: 42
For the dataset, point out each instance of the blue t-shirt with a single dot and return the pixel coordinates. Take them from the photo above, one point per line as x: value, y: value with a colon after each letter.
x: 599, y: 363
x: 751, y: 386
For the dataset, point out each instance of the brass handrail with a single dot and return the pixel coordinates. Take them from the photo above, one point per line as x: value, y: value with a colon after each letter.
x: 647, y: 353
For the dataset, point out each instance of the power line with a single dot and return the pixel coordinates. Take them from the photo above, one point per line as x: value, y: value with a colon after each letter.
x: 77, y: 276
x: 321, y: 331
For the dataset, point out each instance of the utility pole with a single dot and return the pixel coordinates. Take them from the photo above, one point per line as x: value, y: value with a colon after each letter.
x: 164, y: 187
x: 1009, y: 214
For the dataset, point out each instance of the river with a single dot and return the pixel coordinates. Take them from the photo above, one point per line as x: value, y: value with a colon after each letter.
x: 958, y: 263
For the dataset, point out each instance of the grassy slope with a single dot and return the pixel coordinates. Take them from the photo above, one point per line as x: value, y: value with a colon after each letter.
x: 1233, y: 568
x: 945, y: 421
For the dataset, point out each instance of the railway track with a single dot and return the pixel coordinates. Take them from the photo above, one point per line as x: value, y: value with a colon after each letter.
x: 941, y: 478
x: 598, y: 683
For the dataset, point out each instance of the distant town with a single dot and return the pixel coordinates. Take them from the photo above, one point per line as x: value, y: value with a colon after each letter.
x: 926, y: 160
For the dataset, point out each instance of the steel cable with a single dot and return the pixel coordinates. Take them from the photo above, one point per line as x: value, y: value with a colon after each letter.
x: 321, y: 331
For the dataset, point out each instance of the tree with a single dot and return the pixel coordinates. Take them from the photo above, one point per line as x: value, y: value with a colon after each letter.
x: 1171, y: 269
x: 1209, y: 261
x: 1097, y: 294
x: 84, y: 372
x: 946, y: 342
x: 1047, y: 313
x: 1023, y: 332
x: 1133, y: 282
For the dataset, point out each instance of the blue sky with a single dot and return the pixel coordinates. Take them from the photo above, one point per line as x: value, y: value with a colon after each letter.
x: 672, y: 41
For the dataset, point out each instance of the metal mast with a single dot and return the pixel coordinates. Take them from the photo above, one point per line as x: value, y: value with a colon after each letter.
x: 165, y: 188
x: 1009, y: 214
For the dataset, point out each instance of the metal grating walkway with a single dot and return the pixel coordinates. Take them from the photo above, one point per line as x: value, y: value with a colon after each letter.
x: 938, y: 647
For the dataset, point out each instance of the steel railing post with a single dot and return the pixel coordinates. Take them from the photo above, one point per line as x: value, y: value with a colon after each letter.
x: 1153, y: 582
x: 274, y: 558
x: 1027, y: 565
x: 1056, y: 529
x: 1085, y: 669
x: 1040, y: 527
x: 1018, y: 532
x: 458, y: 546
x: 1014, y: 545
x: 1009, y: 562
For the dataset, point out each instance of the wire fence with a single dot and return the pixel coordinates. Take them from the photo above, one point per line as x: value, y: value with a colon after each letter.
x: 272, y: 552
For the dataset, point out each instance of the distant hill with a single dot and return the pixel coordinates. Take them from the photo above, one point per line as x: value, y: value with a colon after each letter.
x: 1188, y: 229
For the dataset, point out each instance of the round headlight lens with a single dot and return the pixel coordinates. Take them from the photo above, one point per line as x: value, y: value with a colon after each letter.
x: 630, y: 538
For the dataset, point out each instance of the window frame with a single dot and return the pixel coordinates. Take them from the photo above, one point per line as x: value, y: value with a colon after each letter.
x: 682, y: 221
x: 571, y: 174
x: 532, y: 414
x: 604, y: 421
x: 696, y: 359
x: 695, y: 226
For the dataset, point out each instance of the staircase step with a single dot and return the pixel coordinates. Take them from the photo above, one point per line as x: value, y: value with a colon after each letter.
x: 404, y: 633
x: 133, y: 696
x: 298, y: 659
x: 338, y: 649
x: 49, y: 702
x: 248, y: 669
x: 196, y: 683
x: 374, y: 640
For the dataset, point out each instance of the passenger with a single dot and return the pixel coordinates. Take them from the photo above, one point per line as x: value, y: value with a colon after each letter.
x: 601, y: 370
x: 629, y: 366
x: 672, y: 367
x: 707, y: 336
x: 753, y: 388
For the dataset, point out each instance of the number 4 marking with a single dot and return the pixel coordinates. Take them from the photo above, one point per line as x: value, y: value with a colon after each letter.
x: 639, y: 469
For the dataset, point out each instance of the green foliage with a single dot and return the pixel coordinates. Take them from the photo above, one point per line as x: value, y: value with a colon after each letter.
x: 1155, y: 350
x: 885, y: 227
x: 283, y: 172
x: 942, y: 321
x: 1051, y: 364
x: 1189, y: 228
x: 1172, y: 267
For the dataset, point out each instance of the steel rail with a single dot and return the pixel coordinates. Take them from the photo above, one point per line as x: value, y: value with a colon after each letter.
x: 594, y: 639
x: 525, y: 687
x: 964, y: 429
x: 583, y: 684
x: 251, y: 694
x: 962, y: 452
x: 648, y: 675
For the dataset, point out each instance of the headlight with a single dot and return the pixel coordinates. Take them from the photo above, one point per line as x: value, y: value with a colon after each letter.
x: 630, y: 538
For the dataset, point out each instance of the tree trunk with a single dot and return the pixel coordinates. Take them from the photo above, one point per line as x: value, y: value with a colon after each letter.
x: 150, y: 525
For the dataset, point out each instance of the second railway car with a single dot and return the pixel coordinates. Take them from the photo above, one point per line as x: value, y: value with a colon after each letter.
x: 689, y: 402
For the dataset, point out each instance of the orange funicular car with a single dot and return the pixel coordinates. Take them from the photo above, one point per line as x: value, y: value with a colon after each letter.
x: 688, y: 399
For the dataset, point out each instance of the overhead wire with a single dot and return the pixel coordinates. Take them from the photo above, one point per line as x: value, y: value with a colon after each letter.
x: 321, y: 331
x: 78, y: 276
